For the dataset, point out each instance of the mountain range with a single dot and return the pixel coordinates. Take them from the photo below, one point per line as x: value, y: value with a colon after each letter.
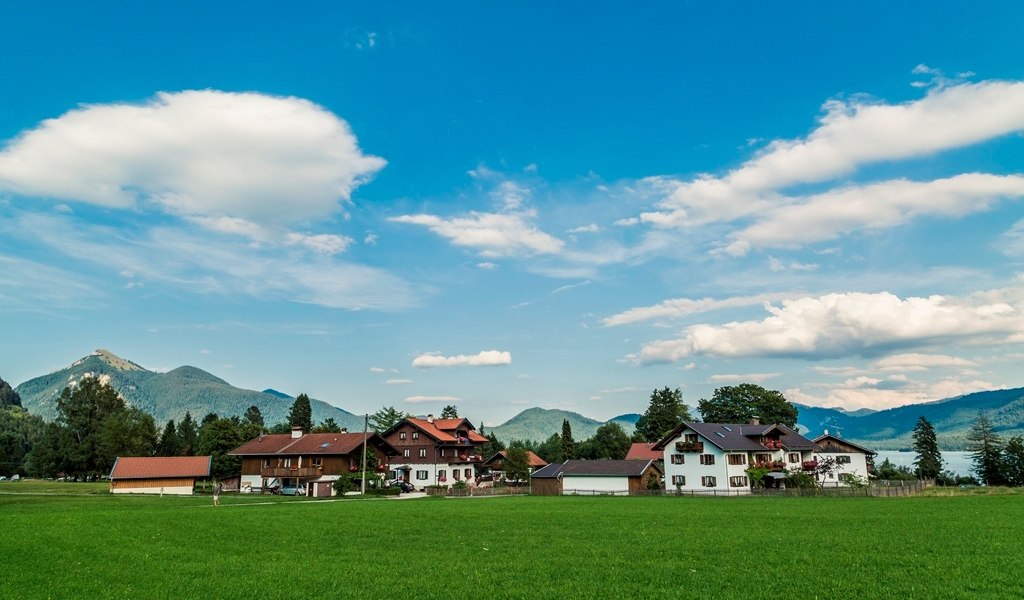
x: 189, y: 389
x: 170, y: 395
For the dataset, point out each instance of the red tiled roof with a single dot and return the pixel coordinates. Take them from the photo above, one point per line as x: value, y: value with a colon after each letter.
x: 535, y: 461
x: 431, y: 429
x: 643, y: 451
x: 310, y: 443
x: 155, y: 467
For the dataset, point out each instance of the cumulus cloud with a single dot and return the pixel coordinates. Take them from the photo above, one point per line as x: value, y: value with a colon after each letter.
x: 487, y: 358
x: 880, y: 394
x: 746, y: 377
x: 398, y: 381
x: 850, y: 324
x: 263, y: 159
x: 920, y: 362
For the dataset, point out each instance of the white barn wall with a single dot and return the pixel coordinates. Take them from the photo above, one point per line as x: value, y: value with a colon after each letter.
x: 593, y: 484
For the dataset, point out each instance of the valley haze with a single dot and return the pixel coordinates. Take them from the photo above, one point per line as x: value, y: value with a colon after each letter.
x: 563, y: 208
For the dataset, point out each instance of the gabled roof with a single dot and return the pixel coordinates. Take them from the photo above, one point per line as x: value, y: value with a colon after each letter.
x: 597, y: 468
x: 442, y: 430
x: 159, y: 467
x: 742, y: 437
x: 818, y: 440
x: 310, y: 443
x: 643, y: 451
x: 535, y: 461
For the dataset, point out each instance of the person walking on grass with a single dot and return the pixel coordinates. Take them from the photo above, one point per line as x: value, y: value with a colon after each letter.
x: 216, y: 494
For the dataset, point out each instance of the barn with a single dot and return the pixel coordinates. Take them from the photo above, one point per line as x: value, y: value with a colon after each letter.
x: 596, y: 477
x: 158, y: 474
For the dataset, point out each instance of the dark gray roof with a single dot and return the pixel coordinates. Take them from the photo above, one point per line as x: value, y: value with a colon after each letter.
x: 743, y: 437
x: 596, y: 468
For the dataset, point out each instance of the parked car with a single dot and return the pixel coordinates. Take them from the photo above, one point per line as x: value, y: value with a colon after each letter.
x: 403, y: 486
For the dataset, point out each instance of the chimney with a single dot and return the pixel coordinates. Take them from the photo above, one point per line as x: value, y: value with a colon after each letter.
x: 755, y: 420
x: 826, y: 432
x: 430, y: 418
x: 296, y: 433
x: 344, y: 429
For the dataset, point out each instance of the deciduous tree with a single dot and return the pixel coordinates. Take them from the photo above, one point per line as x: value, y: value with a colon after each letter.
x: 450, y: 412
x: 741, y: 403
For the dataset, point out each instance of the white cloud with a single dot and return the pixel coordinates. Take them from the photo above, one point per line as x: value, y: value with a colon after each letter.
x: 850, y: 134
x: 493, y: 234
x: 591, y: 228
x: 877, y: 206
x: 398, y: 381
x: 1011, y: 243
x: 421, y: 399
x: 486, y: 266
x: 849, y: 324
x: 322, y: 244
x: 487, y: 358
x: 378, y: 370
x: 747, y: 377
x: 877, y: 395
x: 682, y: 307
x: 920, y: 362
x: 262, y: 159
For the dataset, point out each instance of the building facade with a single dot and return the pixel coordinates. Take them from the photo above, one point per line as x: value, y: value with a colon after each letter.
x: 435, y: 452
x: 853, y: 461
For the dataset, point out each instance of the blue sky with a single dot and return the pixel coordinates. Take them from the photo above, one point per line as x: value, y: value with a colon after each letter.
x: 527, y: 205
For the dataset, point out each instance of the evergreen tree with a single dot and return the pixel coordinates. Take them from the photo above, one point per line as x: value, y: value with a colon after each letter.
x: 551, y: 449
x: 328, y: 426
x: 741, y: 403
x: 301, y: 414
x: 492, y: 447
x: 188, y: 436
x: 568, y: 444
x: 450, y: 412
x: 253, y: 416
x: 170, y: 442
x: 929, y: 459
x: 665, y: 410
x: 986, y: 451
x: 1013, y: 461
x: 386, y: 418
x: 8, y: 397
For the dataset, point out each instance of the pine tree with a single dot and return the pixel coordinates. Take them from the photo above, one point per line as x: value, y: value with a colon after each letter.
x: 450, y: 412
x: 386, y: 418
x: 986, y: 450
x: 929, y: 459
x: 170, y: 441
x: 1013, y: 461
x: 301, y: 414
x: 188, y: 434
x: 253, y: 416
x: 568, y: 444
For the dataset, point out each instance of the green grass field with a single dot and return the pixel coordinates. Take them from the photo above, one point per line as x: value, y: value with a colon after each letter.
x: 93, y: 545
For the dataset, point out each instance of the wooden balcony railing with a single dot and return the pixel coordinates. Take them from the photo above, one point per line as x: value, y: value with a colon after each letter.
x: 690, y: 446
x: 293, y: 472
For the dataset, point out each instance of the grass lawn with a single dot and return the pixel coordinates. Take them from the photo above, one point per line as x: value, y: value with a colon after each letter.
x: 100, y: 546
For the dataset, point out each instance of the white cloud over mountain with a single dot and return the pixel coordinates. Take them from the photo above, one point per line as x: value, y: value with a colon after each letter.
x: 486, y: 358
x: 851, y: 324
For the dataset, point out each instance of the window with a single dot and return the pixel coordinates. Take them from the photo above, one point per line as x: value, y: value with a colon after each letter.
x: 843, y: 459
x: 455, y: 474
x: 794, y: 457
x: 266, y: 463
x: 469, y: 473
x: 318, y: 462
x: 737, y: 459
x: 442, y: 475
x: 287, y: 462
x: 708, y: 481
x: 401, y: 435
x: 707, y: 459
x: 443, y: 451
x: 405, y: 453
x: 690, y: 438
x: 392, y: 474
x: 423, y: 452
x: 421, y: 475
x: 847, y: 477
x: 738, y: 481
x: 679, y: 480
x: 415, y: 435
x: 762, y: 458
x: 677, y: 459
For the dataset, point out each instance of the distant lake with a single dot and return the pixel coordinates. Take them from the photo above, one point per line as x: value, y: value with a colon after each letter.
x: 957, y: 462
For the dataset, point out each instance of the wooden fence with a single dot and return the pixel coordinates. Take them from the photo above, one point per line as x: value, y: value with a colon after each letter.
x: 479, y: 491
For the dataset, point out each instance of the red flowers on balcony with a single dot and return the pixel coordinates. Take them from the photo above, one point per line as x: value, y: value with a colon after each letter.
x: 810, y: 465
x: 773, y: 444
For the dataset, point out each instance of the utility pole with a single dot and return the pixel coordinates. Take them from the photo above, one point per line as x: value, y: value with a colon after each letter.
x: 366, y: 427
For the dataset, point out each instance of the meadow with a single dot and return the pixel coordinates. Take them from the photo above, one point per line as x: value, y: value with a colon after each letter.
x: 76, y: 541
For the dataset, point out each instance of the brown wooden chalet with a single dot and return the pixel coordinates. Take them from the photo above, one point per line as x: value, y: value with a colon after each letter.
x: 435, y: 451
x: 497, y: 462
x: 309, y: 462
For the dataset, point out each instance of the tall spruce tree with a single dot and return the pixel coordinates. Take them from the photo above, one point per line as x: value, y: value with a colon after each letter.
x: 386, y: 418
x: 1013, y: 461
x: 301, y: 414
x: 929, y: 458
x: 188, y: 435
x: 450, y: 412
x: 170, y: 441
x: 664, y: 411
x: 568, y: 444
x: 986, y: 451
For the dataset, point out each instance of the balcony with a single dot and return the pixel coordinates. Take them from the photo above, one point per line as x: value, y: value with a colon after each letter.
x: 464, y: 458
x: 292, y: 472
x: 690, y: 446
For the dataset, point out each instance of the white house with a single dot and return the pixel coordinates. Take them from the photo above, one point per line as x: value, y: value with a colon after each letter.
x: 713, y: 458
x: 595, y: 478
x: 852, y: 460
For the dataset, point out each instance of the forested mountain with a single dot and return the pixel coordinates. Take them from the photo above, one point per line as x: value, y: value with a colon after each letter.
x: 537, y: 424
x: 952, y: 418
x: 168, y: 395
